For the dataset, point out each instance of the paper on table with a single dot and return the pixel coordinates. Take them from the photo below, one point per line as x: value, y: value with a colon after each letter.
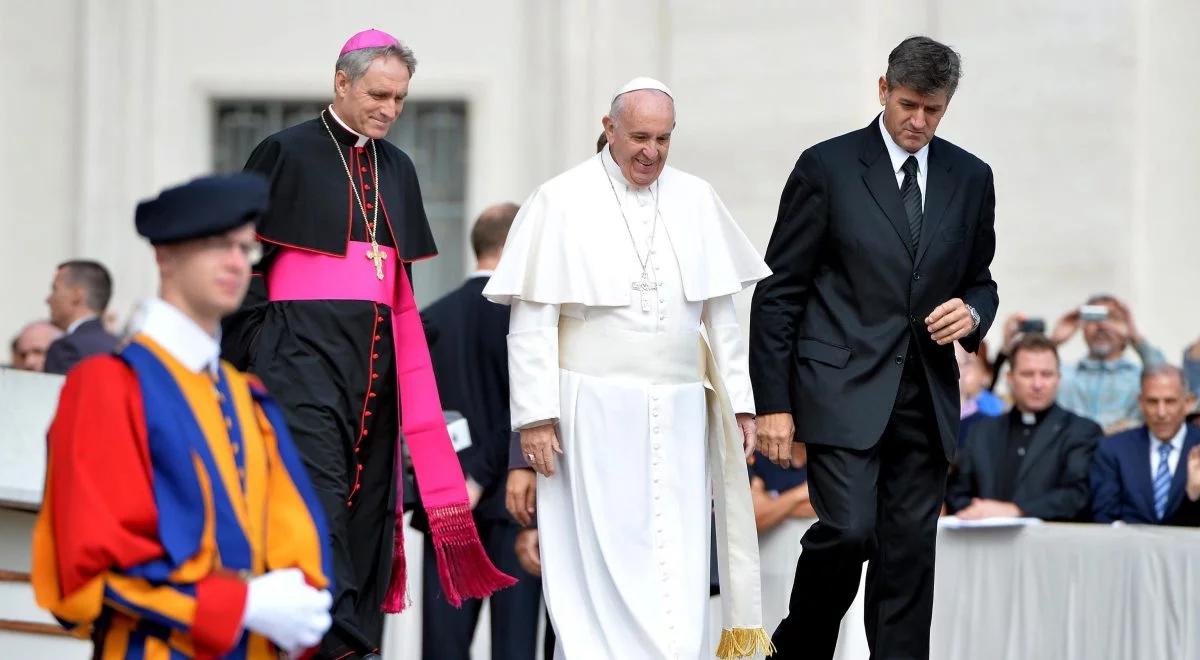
x: 953, y: 522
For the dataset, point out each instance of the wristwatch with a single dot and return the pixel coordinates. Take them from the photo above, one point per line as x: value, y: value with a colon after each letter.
x: 974, y: 318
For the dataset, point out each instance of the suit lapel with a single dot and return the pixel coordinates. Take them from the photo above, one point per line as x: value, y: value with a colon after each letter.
x: 881, y: 182
x: 1142, y: 485
x: 939, y: 190
x: 1042, y: 440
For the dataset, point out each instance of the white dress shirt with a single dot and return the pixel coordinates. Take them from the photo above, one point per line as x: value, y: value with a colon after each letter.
x: 1173, y: 457
x: 177, y: 334
x: 899, y: 155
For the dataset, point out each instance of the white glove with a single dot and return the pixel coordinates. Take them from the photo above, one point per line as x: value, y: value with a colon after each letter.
x: 283, y: 608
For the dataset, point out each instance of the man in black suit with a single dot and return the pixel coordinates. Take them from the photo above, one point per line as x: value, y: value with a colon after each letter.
x: 468, y: 347
x: 78, y: 297
x: 1140, y: 476
x: 1034, y: 461
x: 880, y: 256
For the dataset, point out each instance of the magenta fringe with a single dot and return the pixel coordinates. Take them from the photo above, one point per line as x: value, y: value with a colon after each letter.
x: 464, y: 568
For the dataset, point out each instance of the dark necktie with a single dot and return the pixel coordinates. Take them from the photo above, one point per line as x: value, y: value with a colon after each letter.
x: 910, y: 192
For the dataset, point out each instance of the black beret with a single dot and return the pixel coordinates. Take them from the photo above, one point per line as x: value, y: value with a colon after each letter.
x: 204, y: 207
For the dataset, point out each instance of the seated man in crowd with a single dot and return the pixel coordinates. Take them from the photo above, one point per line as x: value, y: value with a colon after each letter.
x: 779, y: 493
x: 30, y: 345
x: 1104, y: 386
x: 78, y: 297
x: 1033, y: 461
x: 1139, y: 476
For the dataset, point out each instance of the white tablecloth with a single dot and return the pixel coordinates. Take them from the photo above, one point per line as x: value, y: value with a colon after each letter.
x: 1053, y: 592
x: 1063, y: 591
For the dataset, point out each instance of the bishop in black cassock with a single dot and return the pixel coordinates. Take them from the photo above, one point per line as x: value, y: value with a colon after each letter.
x: 331, y: 362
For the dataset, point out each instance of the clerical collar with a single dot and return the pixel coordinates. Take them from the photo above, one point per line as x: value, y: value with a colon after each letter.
x: 359, y: 138
x: 1028, y: 418
x: 898, y: 154
x: 75, y: 326
x: 177, y: 334
x: 617, y: 175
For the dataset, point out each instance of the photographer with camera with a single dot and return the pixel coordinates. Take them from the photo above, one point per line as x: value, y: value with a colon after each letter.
x: 1104, y: 385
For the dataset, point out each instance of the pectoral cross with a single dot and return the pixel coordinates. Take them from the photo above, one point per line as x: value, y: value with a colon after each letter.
x: 645, y: 286
x: 378, y: 256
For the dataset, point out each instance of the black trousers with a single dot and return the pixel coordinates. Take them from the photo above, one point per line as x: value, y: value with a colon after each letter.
x: 446, y: 631
x: 341, y: 410
x: 881, y: 505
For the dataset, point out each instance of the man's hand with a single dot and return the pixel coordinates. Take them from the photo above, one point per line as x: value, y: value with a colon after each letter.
x: 775, y: 433
x: 520, y: 495
x: 539, y: 444
x: 1065, y: 327
x: 1193, y: 474
x: 474, y: 492
x: 749, y: 432
x: 949, y: 321
x: 1125, y: 323
x: 980, y: 509
x: 1012, y: 328
x: 802, y: 503
x: 529, y: 554
x: 283, y: 608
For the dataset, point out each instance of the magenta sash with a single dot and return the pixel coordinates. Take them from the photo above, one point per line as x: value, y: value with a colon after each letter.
x: 463, y: 566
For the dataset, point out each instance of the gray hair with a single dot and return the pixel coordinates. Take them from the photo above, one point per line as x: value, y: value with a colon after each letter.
x: 925, y: 66
x: 1167, y: 370
x: 356, y: 62
x: 619, y: 103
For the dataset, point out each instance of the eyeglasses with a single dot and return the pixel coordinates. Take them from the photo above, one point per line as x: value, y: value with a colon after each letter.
x: 251, y: 250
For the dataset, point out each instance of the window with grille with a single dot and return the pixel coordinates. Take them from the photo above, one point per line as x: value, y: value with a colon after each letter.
x: 433, y: 133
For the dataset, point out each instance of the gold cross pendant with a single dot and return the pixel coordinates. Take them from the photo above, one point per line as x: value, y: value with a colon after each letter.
x: 378, y: 256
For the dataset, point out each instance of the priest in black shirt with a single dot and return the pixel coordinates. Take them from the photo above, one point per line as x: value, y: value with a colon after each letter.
x: 332, y: 329
x: 1032, y: 462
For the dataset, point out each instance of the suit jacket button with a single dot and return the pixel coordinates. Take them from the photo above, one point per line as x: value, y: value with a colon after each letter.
x: 916, y: 276
x: 899, y: 359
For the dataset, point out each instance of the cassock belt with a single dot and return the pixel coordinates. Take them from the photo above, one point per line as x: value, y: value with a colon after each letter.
x: 654, y: 358
x: 464, y: 568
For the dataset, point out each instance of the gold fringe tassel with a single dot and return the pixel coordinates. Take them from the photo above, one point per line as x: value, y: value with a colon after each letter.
x: 744, y: 642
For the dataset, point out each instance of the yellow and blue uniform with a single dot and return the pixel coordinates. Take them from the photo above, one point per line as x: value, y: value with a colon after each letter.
x: 166, y: 490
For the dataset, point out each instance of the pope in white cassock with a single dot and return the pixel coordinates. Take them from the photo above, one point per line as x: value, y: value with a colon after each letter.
x: 612, y: 269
